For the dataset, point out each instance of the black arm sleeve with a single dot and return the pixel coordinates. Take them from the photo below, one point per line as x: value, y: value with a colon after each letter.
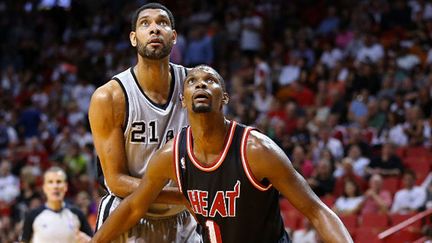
x: 84, y: 225
x: 28, y: 224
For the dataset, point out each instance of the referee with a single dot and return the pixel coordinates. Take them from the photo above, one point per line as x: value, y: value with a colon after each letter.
x: 55, y: 221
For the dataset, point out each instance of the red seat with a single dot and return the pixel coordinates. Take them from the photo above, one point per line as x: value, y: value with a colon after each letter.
x: 284, y: 204
x: 391, y: 184
x: 421, y: 166
x: 328, y: 200
x: 375, y: 220
x: 350, y: 222
x: 292, y: 219
x: 401, y: 152
x: 366, y: 235
x: 402, y: 236
x: 399, y: 218
x: 417, y: 151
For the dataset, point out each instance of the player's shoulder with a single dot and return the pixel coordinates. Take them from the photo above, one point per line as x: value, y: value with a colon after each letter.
x: 33, y: 213
x: 74, y: 209
x: 110, y: 92
x: 259, y: 142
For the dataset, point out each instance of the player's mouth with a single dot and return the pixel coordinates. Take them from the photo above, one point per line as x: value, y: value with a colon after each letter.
x: 201, y: 96
x: 155, y: 42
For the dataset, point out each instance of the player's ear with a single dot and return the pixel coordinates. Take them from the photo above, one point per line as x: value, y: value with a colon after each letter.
x: 225, y: 98
x: 132, y: 38
x: 182, y: 100
x: 174, y: 37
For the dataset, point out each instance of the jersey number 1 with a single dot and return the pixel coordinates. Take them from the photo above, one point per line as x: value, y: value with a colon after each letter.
x: 214, y: 231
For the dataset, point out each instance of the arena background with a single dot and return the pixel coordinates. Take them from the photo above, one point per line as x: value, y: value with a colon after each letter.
x: 344, y: 87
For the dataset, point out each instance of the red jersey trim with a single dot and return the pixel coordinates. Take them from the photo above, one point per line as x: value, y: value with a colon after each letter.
x: 245, y: 162
x: 214, y: 165
x: 176, y: 162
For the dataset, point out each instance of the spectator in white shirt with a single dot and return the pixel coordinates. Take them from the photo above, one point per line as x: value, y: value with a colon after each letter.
x: 411, y: 197
x: 351, y: 200
x: 263, y: 100
x: 306, y: 234
x: 331, y: 55
x: 9, y: 184
x: 371, y: 51
x: 262, y: 75
x: 333, y: 144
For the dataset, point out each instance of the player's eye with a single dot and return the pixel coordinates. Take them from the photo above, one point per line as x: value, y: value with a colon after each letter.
x: 190, y: 81
x: 164, y: 23
x: 210, y: 81
x: 145, y: 23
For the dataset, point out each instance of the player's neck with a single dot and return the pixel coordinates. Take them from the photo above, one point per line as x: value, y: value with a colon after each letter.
x: 54, y: 205
x: 154, y: 75
x: 209, y: 134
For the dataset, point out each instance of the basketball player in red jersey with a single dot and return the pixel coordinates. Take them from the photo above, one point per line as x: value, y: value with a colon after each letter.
x: 230, y: 174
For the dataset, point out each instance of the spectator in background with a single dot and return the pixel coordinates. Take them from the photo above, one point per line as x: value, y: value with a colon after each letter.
x: 332, y: 144
x: 351, y: 200
x: 306, y: 234
x: 387, y: 164
x: 8, y: 136
x: 414, y: 126
x: 330, y: 23
x: 250, y: 38
x: 199, y: 49
x: 331, y: 55
x: 377, y: 200
x: 343, y: 173
x: 371, y: 51
x: 300, y: 162
x: 360, y: 162
x: 376, y: 116
x: 263, y: 100
x: 322, y: 182
x: 262, y: 73
x: 81, y: 93
x: 393, y: 132
x: 29, y: 120
x: 9, y: 184
x: 411, y: 197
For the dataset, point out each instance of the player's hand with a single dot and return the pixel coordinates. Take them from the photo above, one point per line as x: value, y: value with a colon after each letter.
x: 82, y: 237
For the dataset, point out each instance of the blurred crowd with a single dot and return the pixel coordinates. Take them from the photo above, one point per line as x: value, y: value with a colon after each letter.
x: 342, y: 86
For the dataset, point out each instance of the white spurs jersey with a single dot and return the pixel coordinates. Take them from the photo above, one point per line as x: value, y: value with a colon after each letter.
x: 148, y: 125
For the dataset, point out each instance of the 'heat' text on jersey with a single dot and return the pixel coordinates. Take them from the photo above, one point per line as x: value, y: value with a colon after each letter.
x: 224, y: 202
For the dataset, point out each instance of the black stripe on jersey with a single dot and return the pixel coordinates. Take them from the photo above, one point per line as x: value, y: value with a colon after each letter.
x: 99, y: 213
x: 107, y: 208
x: 127, y: 103
x: 171, y: 92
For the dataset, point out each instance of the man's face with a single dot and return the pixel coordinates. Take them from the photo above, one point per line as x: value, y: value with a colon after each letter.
x: 153, y: 37
x: 203, y: 91
x: 55, y: 186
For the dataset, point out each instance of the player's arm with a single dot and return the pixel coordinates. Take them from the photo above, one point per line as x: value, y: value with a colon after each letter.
x: 267, y: 160
x: 106, y: 115
x: 159, y: 171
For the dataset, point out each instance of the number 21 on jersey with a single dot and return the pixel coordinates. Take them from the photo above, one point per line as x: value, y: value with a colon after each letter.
x: 214, y: 231
x: 142, y: 132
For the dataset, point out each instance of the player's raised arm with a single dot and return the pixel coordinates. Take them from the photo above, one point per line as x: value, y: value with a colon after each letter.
x: 159, y: 171
x: 106, y: 115
x: 267, y: 160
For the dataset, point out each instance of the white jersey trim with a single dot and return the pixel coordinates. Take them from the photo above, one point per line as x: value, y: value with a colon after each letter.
x: 245, y: 163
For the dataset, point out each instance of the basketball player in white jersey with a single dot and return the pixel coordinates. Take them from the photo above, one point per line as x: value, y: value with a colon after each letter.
x: 132, y: 116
